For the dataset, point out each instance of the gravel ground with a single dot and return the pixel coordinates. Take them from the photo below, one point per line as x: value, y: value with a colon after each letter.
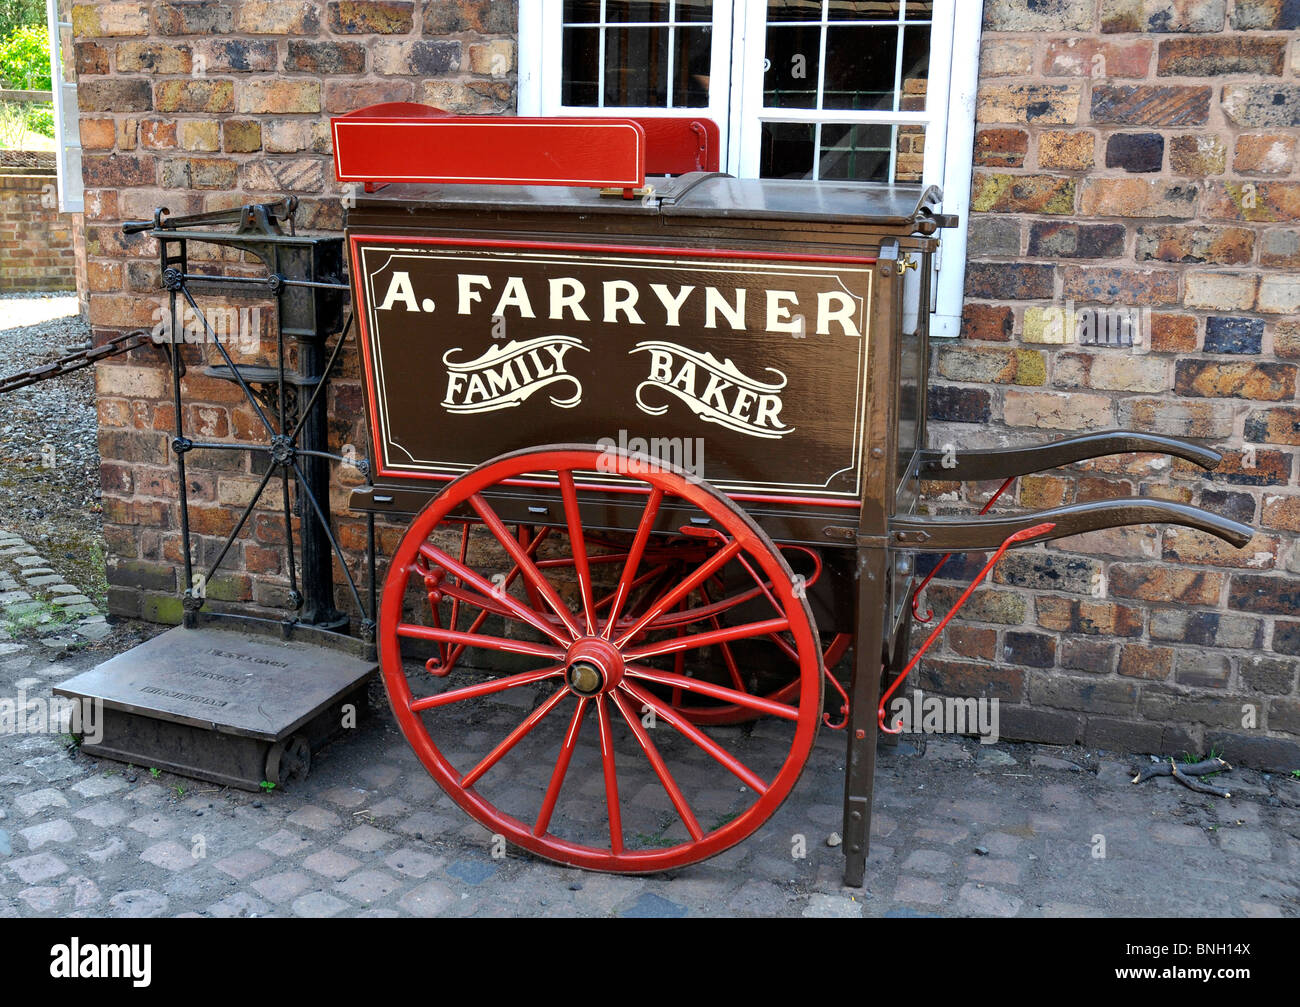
x: 49, y: 456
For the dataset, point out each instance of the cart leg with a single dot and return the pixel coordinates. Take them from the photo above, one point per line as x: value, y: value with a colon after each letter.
x: 860, y: 767
x: 894, y: 668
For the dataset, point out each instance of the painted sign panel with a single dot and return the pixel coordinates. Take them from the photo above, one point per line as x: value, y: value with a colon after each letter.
x: 753, y: 366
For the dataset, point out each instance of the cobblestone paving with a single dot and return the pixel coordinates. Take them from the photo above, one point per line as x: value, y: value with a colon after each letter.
x: 959, y: 830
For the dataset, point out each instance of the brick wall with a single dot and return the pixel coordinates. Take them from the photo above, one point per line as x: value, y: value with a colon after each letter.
x: 36, y: 247
x: 1137, y: 155
x: 206, y: 105
x: 1129, y: 153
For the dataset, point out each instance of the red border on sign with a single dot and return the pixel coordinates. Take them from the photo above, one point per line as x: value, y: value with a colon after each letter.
x: 701, y: 253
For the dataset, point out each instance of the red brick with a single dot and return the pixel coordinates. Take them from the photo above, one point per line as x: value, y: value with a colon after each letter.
x: 347, y: 96
x: 994, y: 192
x: 1041, y: 104
x: 194, y: 96
x: 1197, y: 154
x: 91, y: 59
x: 117, y: 94
x: 1233, y: 379
x: 193, y: 17
x: 1107, y: 285
x: 1229, y: 246
x: 1174, y: 333
x: 1138, y: 660
x: 1063, y: 150
x: 279, y: 17
x: 1137, y: 197
x: 382, y: 17
x: 1255, y: 201
x: 98, y: 134
x: 1157, y: 582
x: 1265, y: 154
x: 1214, y: 55
x: 1091, y: 57
x: 1001, y: 148
x: 988, y: 322
x: 1149, y: 105
x: 119, y: 170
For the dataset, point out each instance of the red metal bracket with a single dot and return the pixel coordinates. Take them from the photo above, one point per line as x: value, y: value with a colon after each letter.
x: 916, y: 595
x: 1021, y: 536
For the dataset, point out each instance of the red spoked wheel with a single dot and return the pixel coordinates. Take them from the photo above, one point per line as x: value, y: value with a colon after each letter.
x: 577, y: 750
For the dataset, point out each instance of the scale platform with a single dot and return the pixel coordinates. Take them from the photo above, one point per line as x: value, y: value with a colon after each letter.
x: 229, y: 700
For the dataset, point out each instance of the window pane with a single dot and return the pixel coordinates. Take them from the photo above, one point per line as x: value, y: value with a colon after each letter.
x: 857, y: 153
x: 635, y: 10
x: 916, y: 67
x: 787, y: 150
x: 694, y: 10
x: 919, y: 10
x: 583, y: 11
x: 581, y: 66
x: 691, y: 67
x: 636, y: 67
x: 790, y: 78
x: 864, y: 10
x: 860, y: 68
x: 794, y: 10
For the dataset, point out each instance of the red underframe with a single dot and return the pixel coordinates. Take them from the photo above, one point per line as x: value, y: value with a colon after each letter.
x: 700, y: 253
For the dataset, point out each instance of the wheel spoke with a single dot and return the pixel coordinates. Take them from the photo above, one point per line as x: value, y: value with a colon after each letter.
x: 706, y: 639
x: 661, y: 769
x: 532, y: 575
x: 740, y: 698
x: 611, y: 777
x: 513, y: 738
x: 464, y: 551
x: 700, y: 574
x: 436, y: 555
x: 579, y: 547
x: 698, y: 613
x: 763, y: 585
x: 728, y: 658
x: 482, y: 616
x: 561, y: 767
x: 485, y: 688
x: 414, y: 632
x: 634, y: 558
x: 728, y: 761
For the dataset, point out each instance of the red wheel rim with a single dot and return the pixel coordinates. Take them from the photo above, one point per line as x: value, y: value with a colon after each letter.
x: 597, y: 667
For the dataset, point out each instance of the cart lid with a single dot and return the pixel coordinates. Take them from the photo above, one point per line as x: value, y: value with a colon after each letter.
x: 696, y: 194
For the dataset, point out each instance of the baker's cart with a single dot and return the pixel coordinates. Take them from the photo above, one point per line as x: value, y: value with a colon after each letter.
x: 663, y: 439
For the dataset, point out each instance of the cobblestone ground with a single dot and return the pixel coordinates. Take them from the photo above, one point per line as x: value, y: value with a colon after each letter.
x: 960, y: 829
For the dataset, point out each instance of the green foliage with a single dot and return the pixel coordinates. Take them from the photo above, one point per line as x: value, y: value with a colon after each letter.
x: 25, y: 59
x: 25, y: 66
x: 17, y: 13
x: 267, y: 785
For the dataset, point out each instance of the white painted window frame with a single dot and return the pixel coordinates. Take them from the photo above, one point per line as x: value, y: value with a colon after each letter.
x: 67, y: 135
x: 738, y: 51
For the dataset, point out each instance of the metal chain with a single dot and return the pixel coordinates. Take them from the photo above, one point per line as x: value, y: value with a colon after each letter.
x: 75, y: 361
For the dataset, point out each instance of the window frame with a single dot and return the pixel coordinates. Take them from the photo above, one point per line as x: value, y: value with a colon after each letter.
x: 67, y: 137
x: 739, y: 42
